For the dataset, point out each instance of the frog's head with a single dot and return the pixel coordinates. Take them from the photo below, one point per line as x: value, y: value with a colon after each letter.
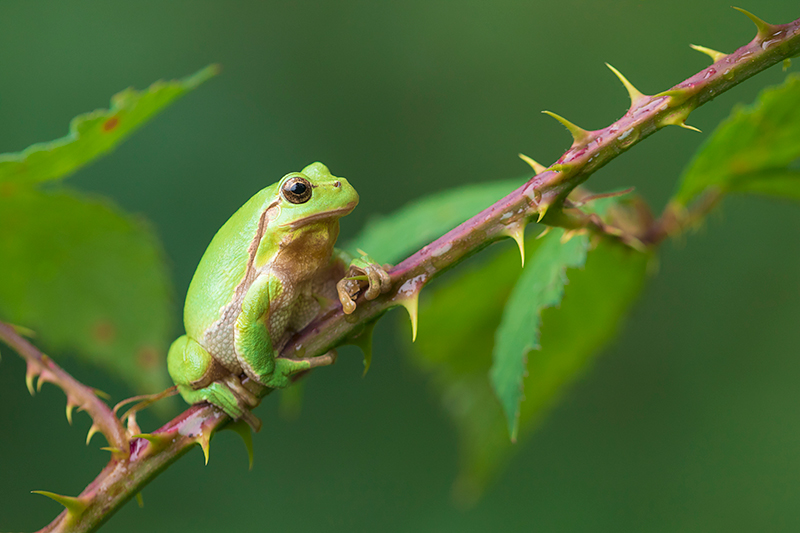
x: 313, y: 195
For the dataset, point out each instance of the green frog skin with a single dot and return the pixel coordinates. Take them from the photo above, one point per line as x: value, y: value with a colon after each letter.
x: 267, y: 273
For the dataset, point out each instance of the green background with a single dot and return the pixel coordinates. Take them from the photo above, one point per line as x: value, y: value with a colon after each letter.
x: 689, y: 422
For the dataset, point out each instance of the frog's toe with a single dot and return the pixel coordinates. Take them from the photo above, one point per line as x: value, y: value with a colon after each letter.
x: 347, y: 290
x: 379, y: 281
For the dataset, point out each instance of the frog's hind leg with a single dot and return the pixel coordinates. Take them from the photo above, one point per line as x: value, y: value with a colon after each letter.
x: 200, y: 378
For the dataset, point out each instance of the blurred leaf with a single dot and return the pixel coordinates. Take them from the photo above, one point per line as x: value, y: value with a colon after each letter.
x: 540, y: 286
x: 94, y: 134
x: 752, y: 147
x: 783, y: 183
x: 390, y: 239
x: 458, y: 321
x: 87, y: 278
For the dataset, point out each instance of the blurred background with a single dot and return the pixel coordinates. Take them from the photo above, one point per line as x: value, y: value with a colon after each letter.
x: 689, y: 421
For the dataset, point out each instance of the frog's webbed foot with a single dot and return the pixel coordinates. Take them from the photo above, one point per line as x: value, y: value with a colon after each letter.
x: 363, y: 272
x: 245, y: 401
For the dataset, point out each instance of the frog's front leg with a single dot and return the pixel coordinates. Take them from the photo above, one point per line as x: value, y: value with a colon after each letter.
x: 361, y: 269
x: 254, y: 346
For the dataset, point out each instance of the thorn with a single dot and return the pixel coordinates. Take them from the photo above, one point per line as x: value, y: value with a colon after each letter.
x: 633, y: 92
x: 70, y: 407
x: 542, y: 211
x: 111, y: 449
x: 139, y: 500
x: 364, y: 341
x: 517, y: 232
x: 101, y: 394
x: 578, y: 134
x: 547, y: 230
x: 713, y: 54
x: 537, y: 168
x: 568, y: 235
x: 92, y: 431
x: 241, y: 428
x: 204, y: 441
x: 678, y: 119
x: 156, y: 442
x: 561, y: 167
x: 412, y: 306
x: 677, y: 96
x: 75, y: 506
x: 39, y: 382
x: 765, y: 29
x: 688, y: 127
x: 787, y: 63
x: 29, y: 375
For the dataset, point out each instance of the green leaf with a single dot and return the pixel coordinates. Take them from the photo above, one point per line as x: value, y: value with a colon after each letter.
x: 540, y: 286
x: 88, y: 279
x: 458, y: 321
x: 94, y: 134
x: 752, y: 147
x: 782, y: 183
x: 391, y: 238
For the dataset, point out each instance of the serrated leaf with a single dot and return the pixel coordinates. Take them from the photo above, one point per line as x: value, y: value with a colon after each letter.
x: 94, y: 134
x: 540, y: 286
x: 88, y: 279
x: 457, y: 325
x: 753, y: 146
x: 391, y: 238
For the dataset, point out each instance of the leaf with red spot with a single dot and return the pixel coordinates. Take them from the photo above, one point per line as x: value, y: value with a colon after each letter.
x: 89, y: 279
x: 95, y: 134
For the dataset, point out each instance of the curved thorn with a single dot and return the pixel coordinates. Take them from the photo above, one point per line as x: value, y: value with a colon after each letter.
x: 547, y: 230
x: 75, y: 506
x: 568, y: 235
x: 688, y: 127
x: 517, y: 232
x: 111, y: 449
x: 537, y: 168
x: 101, y: 394
x: 677, y: 96
x: 542, y: 211
x: 70, y: 407
x: 713, y: 54
x: 579, y: 134
x: 29, y: 375
x: 156, y: 442
x: 241, y: 428
x: 364, y: 341
x: 633, y: 92
x: 765, y: 29
x: 92, y: 431
x: 204, y: 441
x: 412, y: 306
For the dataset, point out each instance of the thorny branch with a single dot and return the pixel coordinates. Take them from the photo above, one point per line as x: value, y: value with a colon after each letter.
x: 138, y: 458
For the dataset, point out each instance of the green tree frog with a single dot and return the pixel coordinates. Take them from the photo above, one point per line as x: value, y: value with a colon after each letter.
x: 267, y: 273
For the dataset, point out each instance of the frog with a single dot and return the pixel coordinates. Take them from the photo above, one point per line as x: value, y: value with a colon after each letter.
x: 267, y: 273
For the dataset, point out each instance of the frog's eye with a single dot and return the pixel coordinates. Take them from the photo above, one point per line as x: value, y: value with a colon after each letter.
x: 297, y: 190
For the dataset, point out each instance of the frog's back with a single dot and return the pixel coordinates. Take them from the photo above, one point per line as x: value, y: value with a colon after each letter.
x: 223, y: 266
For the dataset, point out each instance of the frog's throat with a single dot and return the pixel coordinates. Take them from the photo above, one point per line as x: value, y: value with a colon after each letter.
x: 333, y: 213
